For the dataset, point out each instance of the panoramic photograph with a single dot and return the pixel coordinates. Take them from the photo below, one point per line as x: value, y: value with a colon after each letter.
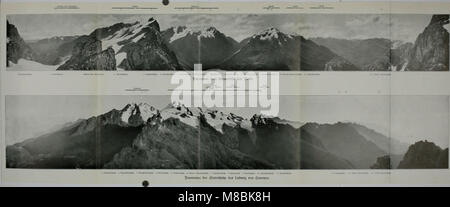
x: 247, y: 42
x: 151, y: 132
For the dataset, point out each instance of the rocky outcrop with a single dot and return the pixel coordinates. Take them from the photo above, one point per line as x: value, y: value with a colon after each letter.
x: 400, y: 56
x: 424, y: 154
x: 431, y: 48
x: 171, y: 144
x: 16, y: 47
x: 383, y: 162
x: 87, y: 54
x: 132, y: 46
x: 150, y: 52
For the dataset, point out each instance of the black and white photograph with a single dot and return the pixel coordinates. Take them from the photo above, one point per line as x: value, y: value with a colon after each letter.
x: 150, y: 132
x: 247, y: 42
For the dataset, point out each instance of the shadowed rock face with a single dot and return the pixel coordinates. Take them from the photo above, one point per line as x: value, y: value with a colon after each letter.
x: 147, y: 53
x: 87, y: 54
x: 16, y: 47
x: 400, y: 56
x: 150, y: 52
x: 171, y: 144
x: 424, y: 154
x: 431, y: 48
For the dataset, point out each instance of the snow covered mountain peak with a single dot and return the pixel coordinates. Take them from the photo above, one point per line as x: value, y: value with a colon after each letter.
x: 120, y: 34
x: 183, y: 31
x: 144, y: 110
x: 217, y: 119
x: 141, y: 113
x: 272, y: 34
x: 136, y: 114
x: 180, y: 32
x: 208, y: 32
x: 268, y: 34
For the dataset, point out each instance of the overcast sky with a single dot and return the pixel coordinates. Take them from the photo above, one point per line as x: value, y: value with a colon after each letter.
x: 404, y: 27
x: 406, y: 118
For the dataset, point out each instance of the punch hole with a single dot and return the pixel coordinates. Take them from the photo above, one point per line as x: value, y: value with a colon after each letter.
x: 165, y: 2
x: 145, y: 183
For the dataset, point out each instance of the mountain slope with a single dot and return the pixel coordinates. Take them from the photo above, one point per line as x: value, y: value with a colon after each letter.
x: 207, y: 46
x: 424, y: 154
x: 367, y: 54
x: 343, y: 140
x: 87, y: 54
x: 146, y: 50
x: 385, y: 143
x: 128, y: 46
x: 139, y: 136
x: 292, y: 148
x: 274, y: 50
x: 52, y: 51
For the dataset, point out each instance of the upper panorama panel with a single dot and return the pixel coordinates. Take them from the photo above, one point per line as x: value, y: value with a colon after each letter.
x: 285, y: 42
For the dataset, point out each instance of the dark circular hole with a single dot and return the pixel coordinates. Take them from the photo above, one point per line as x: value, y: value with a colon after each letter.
x: 165, y: 2
x: 145, y: 183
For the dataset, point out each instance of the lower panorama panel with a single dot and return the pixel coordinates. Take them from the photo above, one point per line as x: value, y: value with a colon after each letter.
x: 152, y: 132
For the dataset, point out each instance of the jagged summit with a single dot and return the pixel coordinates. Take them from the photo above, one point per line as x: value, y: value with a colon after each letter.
x: 135, y: 114
x: 183, y: 31
x: 144, y: 110
x: 214, y: 117
x: 209, y: 32
x: 430, y: 51
x: 441, y: 19
x: 272, y: 33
